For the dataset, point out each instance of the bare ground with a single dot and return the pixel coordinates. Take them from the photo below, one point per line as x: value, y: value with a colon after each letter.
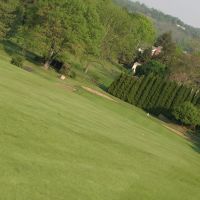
x: 93, y: 91
x: 67, y: 87
x: 175, y: 130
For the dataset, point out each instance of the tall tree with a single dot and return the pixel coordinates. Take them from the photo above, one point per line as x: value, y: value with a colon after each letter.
x: 147, y: 92
x: 54, y: 26
x: 123, y: 32
x: 168, y: 47
x: 187, y: 113
x: 7, y: 15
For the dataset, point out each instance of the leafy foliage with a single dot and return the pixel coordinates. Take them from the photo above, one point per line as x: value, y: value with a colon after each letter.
x: 60, y: 25
x: 187, y: 37
x: 153, y: 93
x: 82, y: 27
x: 7, y: 15
x: 152, y: 66
x: 168, y: 47
x: 187, y: 113
x: 67, y: 70
x: 17, y: 60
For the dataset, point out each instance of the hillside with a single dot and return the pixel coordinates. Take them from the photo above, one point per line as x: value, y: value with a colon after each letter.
x: 185, y: 35
x: 60, y: 142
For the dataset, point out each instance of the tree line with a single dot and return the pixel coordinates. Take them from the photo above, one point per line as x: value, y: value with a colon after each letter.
x: 82, y: 27
x: 187, y: 39
x: 152, y: 93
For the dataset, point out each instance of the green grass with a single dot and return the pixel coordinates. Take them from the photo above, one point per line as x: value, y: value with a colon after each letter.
x: 99, y: 72
x: 58, y: 145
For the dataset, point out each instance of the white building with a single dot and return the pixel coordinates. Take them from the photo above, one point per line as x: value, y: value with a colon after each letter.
x: 135, y: 65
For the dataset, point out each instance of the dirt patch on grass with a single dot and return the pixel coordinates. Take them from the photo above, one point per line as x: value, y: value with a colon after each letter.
x: 178, y: 132
x: 93, y: 91
x: 177, y: 129
x: 183, y: 132
x: 67, y: 87
x: 28, y: 69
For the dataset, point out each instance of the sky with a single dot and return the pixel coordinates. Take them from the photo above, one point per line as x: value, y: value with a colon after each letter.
x: 187, y: 10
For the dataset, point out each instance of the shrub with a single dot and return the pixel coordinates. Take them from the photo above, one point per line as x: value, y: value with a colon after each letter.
x: 67, y: 71
x: 72, y: 74
x: 17, y: 60
x: 187, y: 113
x: 152, y: 66
x: 78, y: 66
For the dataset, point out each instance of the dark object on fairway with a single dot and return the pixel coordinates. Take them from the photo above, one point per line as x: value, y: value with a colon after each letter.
x: 57, y: 65
x: 28, y: 69
x: 67, y: 71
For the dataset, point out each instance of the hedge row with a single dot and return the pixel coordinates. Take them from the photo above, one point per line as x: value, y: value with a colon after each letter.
x: 152, y: 93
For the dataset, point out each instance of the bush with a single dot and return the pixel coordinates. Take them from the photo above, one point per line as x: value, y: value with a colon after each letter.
x: 72, y: 74
x: 152, y: 66
x: 77, y: 66
x: 187, y: 113
x: 17, y: 60
x: 67, y: 71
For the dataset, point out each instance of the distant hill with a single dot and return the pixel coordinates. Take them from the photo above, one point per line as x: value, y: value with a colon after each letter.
x: 185, y: 35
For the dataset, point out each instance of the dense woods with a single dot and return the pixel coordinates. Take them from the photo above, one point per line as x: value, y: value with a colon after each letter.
x: 184, y: 67
x: 81, y: 27
x: 99, y: 29
x: 186, y: 36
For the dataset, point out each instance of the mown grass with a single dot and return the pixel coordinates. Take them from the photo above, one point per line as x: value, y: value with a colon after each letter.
x: 56, y: 144
x: 99, y: 72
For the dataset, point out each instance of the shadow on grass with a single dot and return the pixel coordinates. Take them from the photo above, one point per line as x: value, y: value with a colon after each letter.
x: 192, y: 136
x: 12, y: 48
x: 195, y: 139
x: 103, y: 87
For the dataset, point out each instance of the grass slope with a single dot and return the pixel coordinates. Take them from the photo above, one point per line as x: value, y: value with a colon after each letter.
x: 56, y: 145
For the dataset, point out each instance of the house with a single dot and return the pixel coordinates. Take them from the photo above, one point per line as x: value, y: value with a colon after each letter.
x: 141, y: 50
x: 181, y: 27
x: 135, y: 65
x: 154, y: 52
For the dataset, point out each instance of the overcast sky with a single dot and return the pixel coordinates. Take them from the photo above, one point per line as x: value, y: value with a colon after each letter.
x: 187, y: 10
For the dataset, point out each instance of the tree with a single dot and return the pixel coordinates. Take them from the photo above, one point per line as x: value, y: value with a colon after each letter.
x: 114, y: 84
x: 46, y: 29
x: 7, y: 15
x: 196, y: 97
x: 146, y: 93
x: 168, y: 47
x: 125, y: 86
x: 161, y: 100
x: 152, y: 105
x: 171, y: 95
x: 179, y: 97
x: 123, y: 32
x: 152, y: 66
x: 144, y: 57
x: 54, y: 26
x: 187, y: 113
x: 142, y: 88
x: 134, y: 90
x: 150, y: 97
x: 118, y: 85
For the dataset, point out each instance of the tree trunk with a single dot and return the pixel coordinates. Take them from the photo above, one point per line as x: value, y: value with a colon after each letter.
x: 46, y: 65
x: 49, y: 58
x: 87, y: 68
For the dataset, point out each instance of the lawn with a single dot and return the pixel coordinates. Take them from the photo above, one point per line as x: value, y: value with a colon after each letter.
x: 56, y: 144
